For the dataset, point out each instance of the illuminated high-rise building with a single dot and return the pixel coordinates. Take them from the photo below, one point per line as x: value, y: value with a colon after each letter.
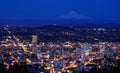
x: 34, y: 42
x: 34, y: 39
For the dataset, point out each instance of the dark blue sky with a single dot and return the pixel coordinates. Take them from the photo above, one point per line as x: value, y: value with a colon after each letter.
x: 55, y: 9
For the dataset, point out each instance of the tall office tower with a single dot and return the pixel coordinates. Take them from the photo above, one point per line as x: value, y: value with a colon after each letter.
x: 34, y: 39
x: 34, y: 42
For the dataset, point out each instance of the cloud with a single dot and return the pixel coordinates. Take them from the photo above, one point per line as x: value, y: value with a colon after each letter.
x: 73, y: 15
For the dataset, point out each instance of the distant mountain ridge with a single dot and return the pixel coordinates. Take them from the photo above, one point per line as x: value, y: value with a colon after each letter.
x: 66, y: 22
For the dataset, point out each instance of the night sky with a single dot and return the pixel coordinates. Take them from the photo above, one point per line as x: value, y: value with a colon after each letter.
x: 60, y: 9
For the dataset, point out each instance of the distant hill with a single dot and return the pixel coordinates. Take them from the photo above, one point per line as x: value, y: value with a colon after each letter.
x: 66, y: 22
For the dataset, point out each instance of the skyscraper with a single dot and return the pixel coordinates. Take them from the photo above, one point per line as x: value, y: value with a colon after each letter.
x: 34, y: 42
x: 34, y: 39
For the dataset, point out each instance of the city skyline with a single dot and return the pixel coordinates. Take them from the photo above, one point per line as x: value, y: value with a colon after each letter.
x: 59, y: 36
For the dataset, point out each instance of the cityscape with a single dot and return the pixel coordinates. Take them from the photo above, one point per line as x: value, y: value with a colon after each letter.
x: 59, y: 36
x: 32, y: 55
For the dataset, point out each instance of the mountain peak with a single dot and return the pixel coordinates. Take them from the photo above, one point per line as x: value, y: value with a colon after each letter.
x: 73, y: 15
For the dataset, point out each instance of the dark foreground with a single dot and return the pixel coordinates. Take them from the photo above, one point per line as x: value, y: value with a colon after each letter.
x: 24, y: 69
